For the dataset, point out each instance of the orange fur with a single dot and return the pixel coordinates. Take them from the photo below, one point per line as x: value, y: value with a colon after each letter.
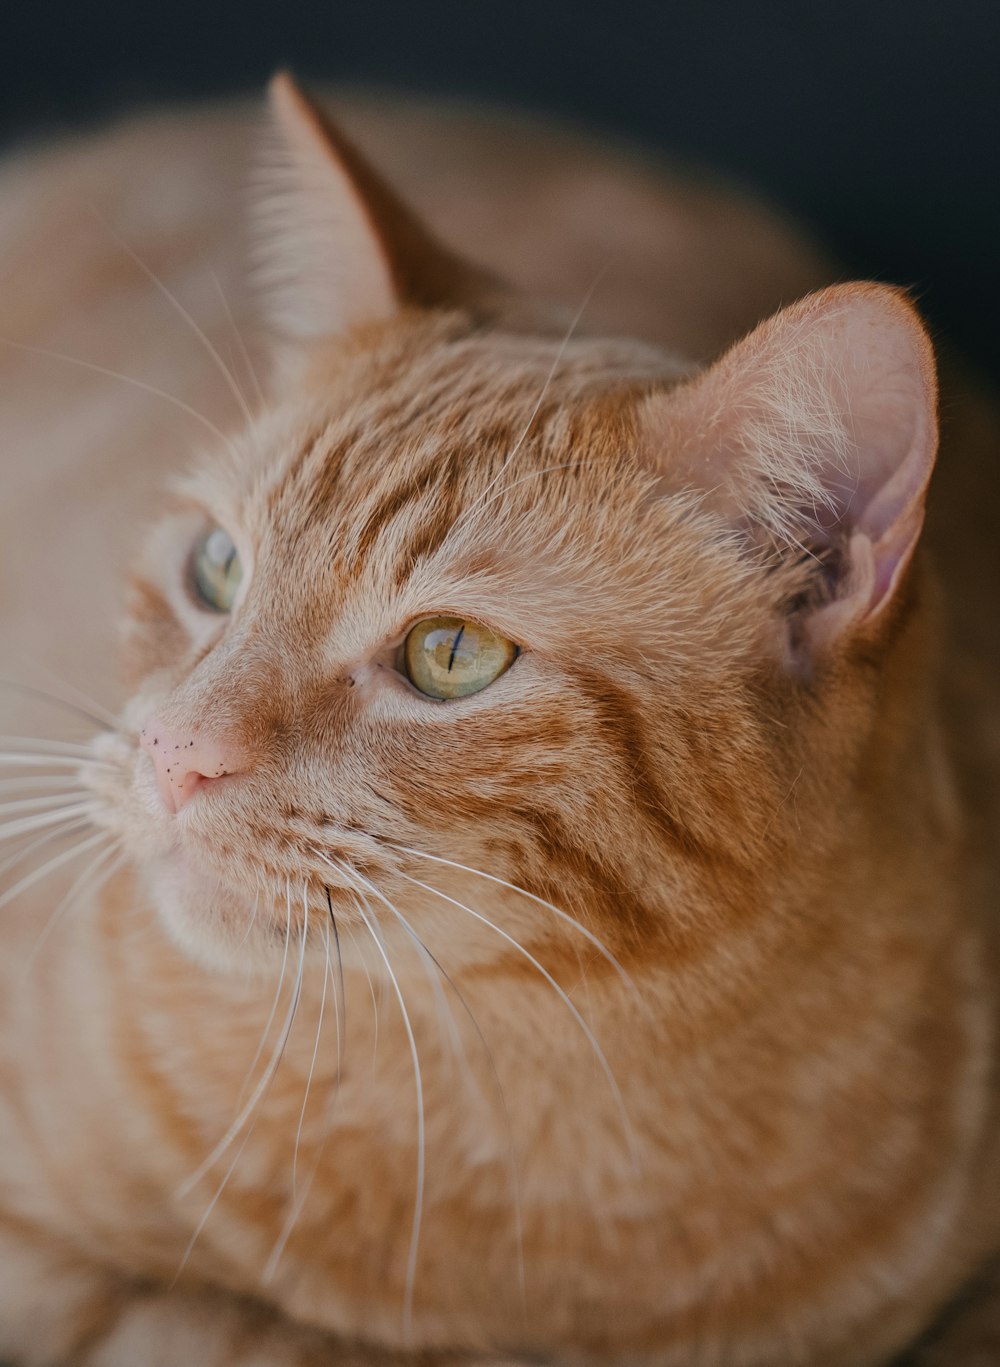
x: 710, y: 1083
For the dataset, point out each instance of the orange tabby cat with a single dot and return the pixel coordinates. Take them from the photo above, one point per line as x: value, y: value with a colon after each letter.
x: 529, y: 903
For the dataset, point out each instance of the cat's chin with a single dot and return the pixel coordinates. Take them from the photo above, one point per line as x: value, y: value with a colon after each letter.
x: 211, y: 923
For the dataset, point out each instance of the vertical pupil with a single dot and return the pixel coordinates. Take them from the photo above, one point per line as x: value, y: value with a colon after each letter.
x: 454, y: 646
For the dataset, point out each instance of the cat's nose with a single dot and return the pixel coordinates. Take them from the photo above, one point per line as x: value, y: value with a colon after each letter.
x: 185, y: 760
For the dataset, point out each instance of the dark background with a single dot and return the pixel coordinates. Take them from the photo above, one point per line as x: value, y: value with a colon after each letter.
x: 877, y: 123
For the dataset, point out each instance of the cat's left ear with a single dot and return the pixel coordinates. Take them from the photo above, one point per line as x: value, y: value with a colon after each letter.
x: 337, y: 247
x: 815, y: 437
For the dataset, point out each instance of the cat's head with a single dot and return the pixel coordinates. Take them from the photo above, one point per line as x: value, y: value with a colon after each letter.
x: 482, y: 600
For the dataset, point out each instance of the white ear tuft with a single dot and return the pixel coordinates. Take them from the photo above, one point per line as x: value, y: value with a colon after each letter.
x: 323, y: 267
x: 817, y: 433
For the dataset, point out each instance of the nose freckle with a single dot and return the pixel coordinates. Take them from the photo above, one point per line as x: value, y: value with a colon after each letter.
x: 184, y: 766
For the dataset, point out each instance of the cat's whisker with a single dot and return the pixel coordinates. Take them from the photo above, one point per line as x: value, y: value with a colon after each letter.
x: 26, y: 825
x: 277, y: 993
x: 75, y: 697
x: 245, y: 1114
x: 532, y: 474
x: 43, y: 746
x: 241, y: 344
x: 23, y: 760
x: 89, y: 882
x: 258, y: 1092
x: 434, y: 973
x: 446, y: 1017
x: 251, y: 920
x: 92, y: 712
x: 183, y: 313
x: 564, y: 998
x: 192, y: 1181
x: 411, y: 1262
x: 34, y: 783
x: 312, y: 1064
x: 340, y: 997
x: 293, y: 1215
x: 598, y: 944
x: 371, y: 990
x: 573, y: 324
x: 206, y: 1215
x: 57, y: 861
x: 299, y: 1198
x: 147, y: 388
x: 470, y: 1080
x: 36, y: 804
x: 46, y: 838
x: 381, y: 989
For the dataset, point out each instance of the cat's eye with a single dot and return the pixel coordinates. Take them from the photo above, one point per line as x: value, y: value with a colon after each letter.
x: 451, y: 657
x: 216, y: 570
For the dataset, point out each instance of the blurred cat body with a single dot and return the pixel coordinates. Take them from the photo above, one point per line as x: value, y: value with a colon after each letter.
x: 664, y: 1031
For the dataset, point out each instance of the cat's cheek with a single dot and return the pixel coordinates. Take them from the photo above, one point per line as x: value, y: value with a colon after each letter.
x: 208, y: 926
x: 182, y: 913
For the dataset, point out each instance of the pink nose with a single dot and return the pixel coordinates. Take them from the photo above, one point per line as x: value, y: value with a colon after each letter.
x: 184, y: 761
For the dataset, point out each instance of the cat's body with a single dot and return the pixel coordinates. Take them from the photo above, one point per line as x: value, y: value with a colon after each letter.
x: 758, y: 1132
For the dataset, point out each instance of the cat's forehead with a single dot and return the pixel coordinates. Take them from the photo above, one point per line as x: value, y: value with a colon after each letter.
x: 457, y: 475
x: 375, y: 429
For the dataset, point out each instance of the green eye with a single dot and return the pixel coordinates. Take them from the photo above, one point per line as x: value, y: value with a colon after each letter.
x: 450, y: 657
x: 216, y: 570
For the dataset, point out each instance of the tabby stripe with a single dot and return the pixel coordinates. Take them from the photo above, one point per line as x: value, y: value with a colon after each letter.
x: 441, y: 513
x: 411, y: 492
x: 625, y: 730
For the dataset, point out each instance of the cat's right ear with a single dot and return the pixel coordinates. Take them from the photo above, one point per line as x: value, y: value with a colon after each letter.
x: 814, y: 438
x: 336, y: 246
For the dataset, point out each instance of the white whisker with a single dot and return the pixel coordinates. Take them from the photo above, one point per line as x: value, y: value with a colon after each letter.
x: 71, y: 749
x: 26, y: 824
x: 312, y: 1064
x: 77, y: 701
x: 126, y: 379
x: 371, y: 989
x: 573, y: 324
x: 299, y: 1198
x: 411, y: 1262
x: 34, y: 783
x: 35, y: 804
x: 588, y: 1033
x: 36, y: 875
x: 277, y: 992
x: 251, y: 922
x: 533, y: 897
x: 21, y: 759
x: 182, y: 312
x: 244, y: 353
x: 532, y: 474
x: 469, y: 1077
x: 433, y: 971
x: 47, y: 838
x: 85, y: 883
x: 339, y: 997
x: 237, y: 1125
x: 257, y: 1093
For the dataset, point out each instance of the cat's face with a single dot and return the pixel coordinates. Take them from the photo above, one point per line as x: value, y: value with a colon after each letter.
x: 374, y: 516
x: 624, y: 714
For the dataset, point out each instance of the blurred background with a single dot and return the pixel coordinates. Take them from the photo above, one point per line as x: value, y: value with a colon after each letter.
x: 876, y: 122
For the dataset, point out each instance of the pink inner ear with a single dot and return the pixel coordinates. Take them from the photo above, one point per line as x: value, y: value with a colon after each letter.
x: 884, y: 369
x: 821, y: 425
